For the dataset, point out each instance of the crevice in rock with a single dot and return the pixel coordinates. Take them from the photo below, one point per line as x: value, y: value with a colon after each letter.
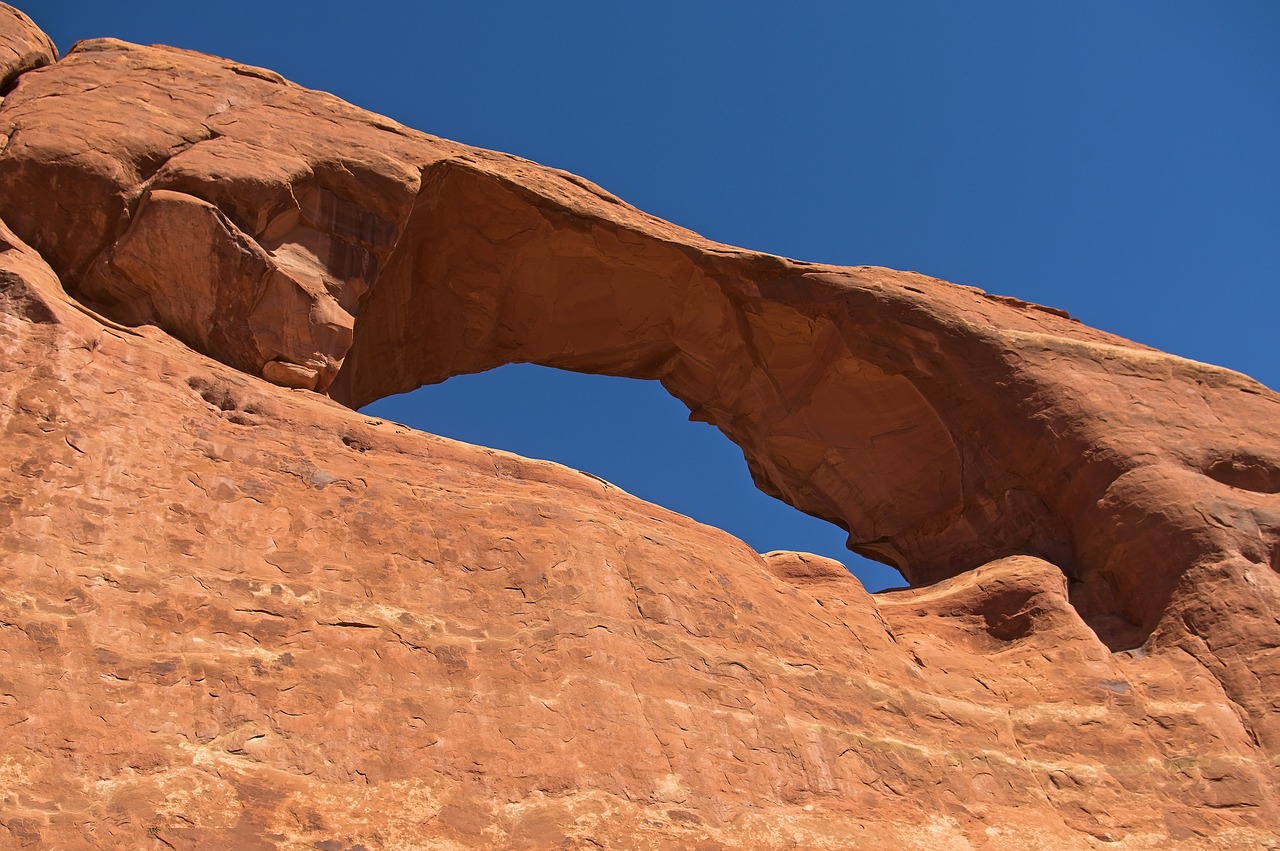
x: 10, y: 81
x: 1246, y: 471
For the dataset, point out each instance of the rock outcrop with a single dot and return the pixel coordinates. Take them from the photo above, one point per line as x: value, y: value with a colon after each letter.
x: 23, y: 47
x: 237, y: 613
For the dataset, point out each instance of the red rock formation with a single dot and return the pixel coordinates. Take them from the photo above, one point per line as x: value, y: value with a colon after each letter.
x: 23, y: 47
x: 239, y: 615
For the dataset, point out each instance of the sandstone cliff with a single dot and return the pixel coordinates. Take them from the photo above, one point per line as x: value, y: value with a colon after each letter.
x: 237, y: 613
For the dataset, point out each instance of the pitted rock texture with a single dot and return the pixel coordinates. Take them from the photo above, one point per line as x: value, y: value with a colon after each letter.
x: 239, y: 614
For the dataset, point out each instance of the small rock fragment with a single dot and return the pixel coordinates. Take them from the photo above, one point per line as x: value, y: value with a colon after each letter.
x: 287, y: 374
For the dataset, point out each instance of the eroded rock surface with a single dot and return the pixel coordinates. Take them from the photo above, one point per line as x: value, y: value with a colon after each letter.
x: 241, y: 615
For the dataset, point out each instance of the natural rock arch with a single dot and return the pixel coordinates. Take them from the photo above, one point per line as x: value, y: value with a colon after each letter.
x: 191, y: 539
x: 891, y: 404
x: 761, y: 347
x: 944, y: 427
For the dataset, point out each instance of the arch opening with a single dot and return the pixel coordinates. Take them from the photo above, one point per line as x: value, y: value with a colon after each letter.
x: 843, y: 397
x: 632, y: 434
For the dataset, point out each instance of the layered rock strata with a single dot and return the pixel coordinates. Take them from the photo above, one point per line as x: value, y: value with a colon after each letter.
x: 239, y: 614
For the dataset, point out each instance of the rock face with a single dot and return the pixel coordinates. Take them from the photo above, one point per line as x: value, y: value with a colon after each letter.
x: 239, y: 614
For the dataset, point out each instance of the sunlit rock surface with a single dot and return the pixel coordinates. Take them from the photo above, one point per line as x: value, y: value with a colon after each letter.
x: 236, y: 613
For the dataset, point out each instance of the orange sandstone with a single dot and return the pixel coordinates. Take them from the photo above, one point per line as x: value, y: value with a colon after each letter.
x: 237, y: 613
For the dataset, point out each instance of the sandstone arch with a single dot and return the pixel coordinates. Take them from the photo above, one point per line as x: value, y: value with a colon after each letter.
x: 761, y: 347
x: 942, y: 426
x: 958, y: 434
x: 939, y: 438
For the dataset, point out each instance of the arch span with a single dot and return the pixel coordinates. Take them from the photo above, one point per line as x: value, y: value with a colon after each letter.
x: 942, y: 427
x: 299, y: 238
x: 808, y: 369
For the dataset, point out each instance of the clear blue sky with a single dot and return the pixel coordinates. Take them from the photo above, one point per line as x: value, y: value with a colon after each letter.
x: 1116, y: 159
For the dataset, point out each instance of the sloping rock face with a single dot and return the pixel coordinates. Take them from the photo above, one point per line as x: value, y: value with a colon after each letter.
x: 236, y: 613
